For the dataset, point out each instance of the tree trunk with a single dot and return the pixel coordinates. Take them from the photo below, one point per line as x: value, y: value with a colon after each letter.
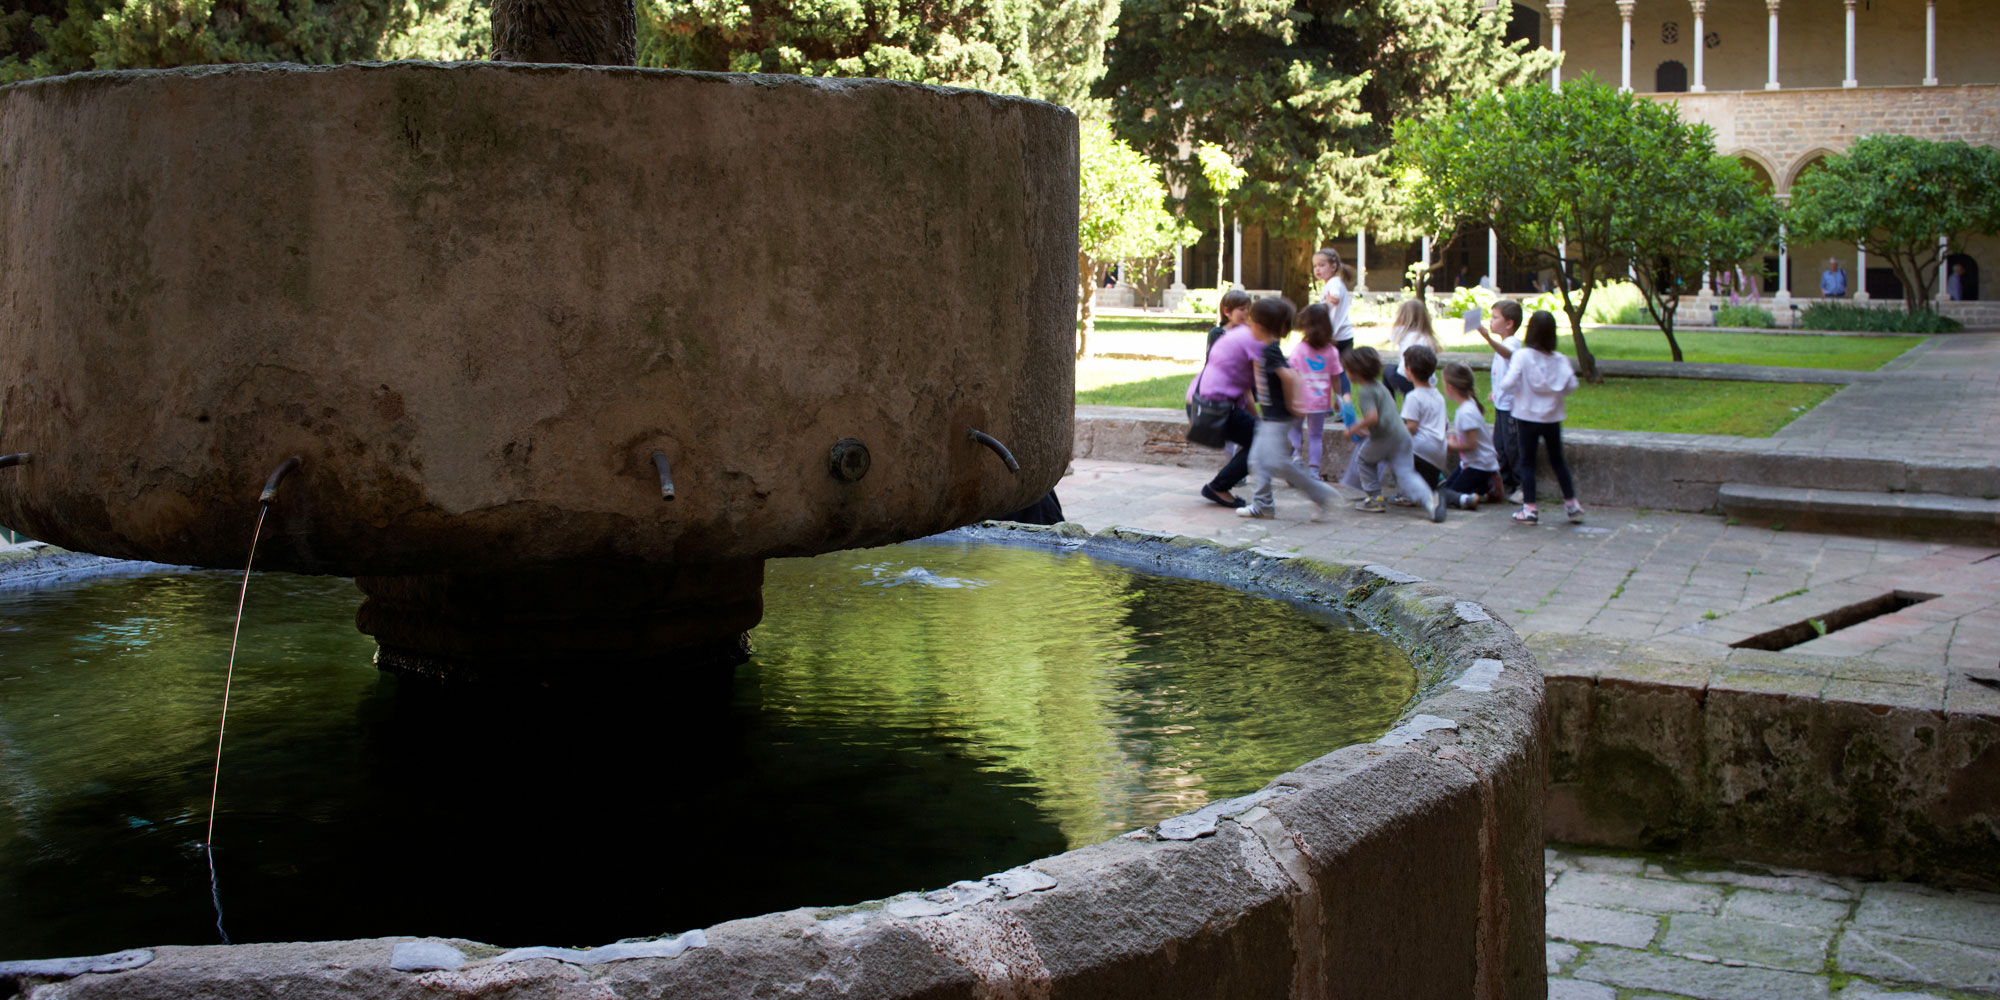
x: 1917, y: 293
x: 1298, y: 272
x: 1086, y: 301
x: 1585, y: 360
x: 587, y: 32
x: 1667, y: 327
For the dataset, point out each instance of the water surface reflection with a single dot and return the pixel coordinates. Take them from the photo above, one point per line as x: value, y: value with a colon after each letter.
x: 915, y: 715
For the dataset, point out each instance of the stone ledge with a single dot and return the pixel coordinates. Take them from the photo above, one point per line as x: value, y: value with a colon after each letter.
x: 1614, y: 468
x: 1831, y: 763
x: 1408, y: 866
x: 1967, y: 520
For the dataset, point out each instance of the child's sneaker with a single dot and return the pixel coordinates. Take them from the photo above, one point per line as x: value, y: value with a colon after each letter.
x: 1574, y: 510
x: 1320, y: 511
x: 1313, y: 471
x: 1437, y: 508
x: 1514, y: 495
x: 1372, y: 504
x: 1402, y: 501
x: 1468, y: 501
x: 1257, y: 510
x: 1527, y: 515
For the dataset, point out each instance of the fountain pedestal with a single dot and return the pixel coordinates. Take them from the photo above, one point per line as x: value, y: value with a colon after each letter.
x: 563, y: 622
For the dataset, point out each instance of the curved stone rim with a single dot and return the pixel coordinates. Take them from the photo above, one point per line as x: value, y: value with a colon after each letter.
x: 1414, y: 859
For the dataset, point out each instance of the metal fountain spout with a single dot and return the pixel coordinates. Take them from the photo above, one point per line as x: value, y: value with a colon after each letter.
x: 286, y: 468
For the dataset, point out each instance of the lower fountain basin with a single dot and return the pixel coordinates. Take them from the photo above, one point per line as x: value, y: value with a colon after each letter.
x: 476, y: 299
x: 1408, y: 866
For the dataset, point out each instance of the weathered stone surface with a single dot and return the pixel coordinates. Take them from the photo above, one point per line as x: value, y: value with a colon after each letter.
x: 1786, y: 907
x: 1576, y: 989
x: 1962, y: 915
x: 1705, y: 980
x: 1592, y: 925
x: 1924, y: 960
x: 1627, y: 892
x: 475, y: 298
x: 1560, y: 954
x: 1759, y: 942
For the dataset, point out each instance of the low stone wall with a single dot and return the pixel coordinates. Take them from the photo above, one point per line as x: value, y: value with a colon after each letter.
x: 1407, y: 867
x: 1615, y: 468
x: 1834, y: 765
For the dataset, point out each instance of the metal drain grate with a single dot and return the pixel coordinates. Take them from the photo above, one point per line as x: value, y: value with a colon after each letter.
x: 1808, y: 629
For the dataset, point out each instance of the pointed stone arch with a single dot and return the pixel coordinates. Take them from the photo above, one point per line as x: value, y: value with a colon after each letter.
x: 1767, y: 175
x: 1805, y: 162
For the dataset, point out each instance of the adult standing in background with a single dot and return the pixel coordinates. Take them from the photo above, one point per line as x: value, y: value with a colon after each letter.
x: 1833, y: 280
x: 1954, y: 283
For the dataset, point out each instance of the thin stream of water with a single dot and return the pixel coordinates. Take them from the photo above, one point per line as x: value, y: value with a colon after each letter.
x: 222, y: 725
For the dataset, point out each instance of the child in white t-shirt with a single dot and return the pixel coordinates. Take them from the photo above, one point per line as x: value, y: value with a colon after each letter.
x: 1339, y: 304
x: 1424, y: 415
x: 1478, y: 474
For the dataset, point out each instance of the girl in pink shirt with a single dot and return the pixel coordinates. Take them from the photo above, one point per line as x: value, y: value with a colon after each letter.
x: 1317, y: 360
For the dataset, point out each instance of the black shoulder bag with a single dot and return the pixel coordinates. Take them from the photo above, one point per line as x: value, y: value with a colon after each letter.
x: 1207, y: 418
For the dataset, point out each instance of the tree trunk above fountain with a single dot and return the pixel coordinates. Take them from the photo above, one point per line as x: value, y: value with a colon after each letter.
x: 476, y: 298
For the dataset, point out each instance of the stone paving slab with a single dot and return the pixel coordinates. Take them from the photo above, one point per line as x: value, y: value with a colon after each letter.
x: 1780, y: 933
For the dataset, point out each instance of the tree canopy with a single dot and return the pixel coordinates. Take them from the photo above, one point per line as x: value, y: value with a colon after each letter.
x: 1895, y: 195
x: 1302, y: 93
x: 1578, y: 181
x: 1121, y: 214
x: 1049, y: 51
x: 1695, y: 212
x: 46, y: 37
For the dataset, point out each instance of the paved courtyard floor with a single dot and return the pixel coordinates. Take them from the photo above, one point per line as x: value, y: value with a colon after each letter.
x: 1632, y: 927
x: 1682, y: 586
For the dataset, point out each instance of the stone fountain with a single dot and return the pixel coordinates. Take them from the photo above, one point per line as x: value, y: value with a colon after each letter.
x: 566, y: 351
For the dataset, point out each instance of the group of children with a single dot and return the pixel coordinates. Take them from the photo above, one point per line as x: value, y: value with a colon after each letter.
x: 1326, y: 374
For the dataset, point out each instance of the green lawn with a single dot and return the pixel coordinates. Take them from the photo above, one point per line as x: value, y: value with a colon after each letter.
x: 1785, y: 351
x: 1181, y: 336
x: 1667, y: 406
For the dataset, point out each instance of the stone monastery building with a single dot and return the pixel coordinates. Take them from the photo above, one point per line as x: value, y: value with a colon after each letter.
x: 1782, y: 82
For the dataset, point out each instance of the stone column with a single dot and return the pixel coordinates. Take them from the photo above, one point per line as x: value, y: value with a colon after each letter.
x: 1556, y: 41
x: 1236, y: 262
x: 1700, y: 43
x: 1859, y: 285
x: 1625, y: 45
x: 1943, y: 269
x: 1930, y: 43
x: 1850, y: 81
x: 1360, y: 261
x: 1784, y: 296
x: 1175, y: 293
x: 1493, y: 258
x: 1772, y: 6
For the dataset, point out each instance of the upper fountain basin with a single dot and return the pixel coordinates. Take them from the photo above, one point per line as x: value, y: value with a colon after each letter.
x: 475, y: 299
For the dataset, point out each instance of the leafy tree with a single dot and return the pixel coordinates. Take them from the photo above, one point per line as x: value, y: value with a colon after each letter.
x: 1695, y: 211
x: 1223, y: 176
x: 1303, y: 93
x: 1895, y: 195
x: 1049, y: 51
x: 1572, y: 180
x: 42, y: 37
x: 1121, y: 215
